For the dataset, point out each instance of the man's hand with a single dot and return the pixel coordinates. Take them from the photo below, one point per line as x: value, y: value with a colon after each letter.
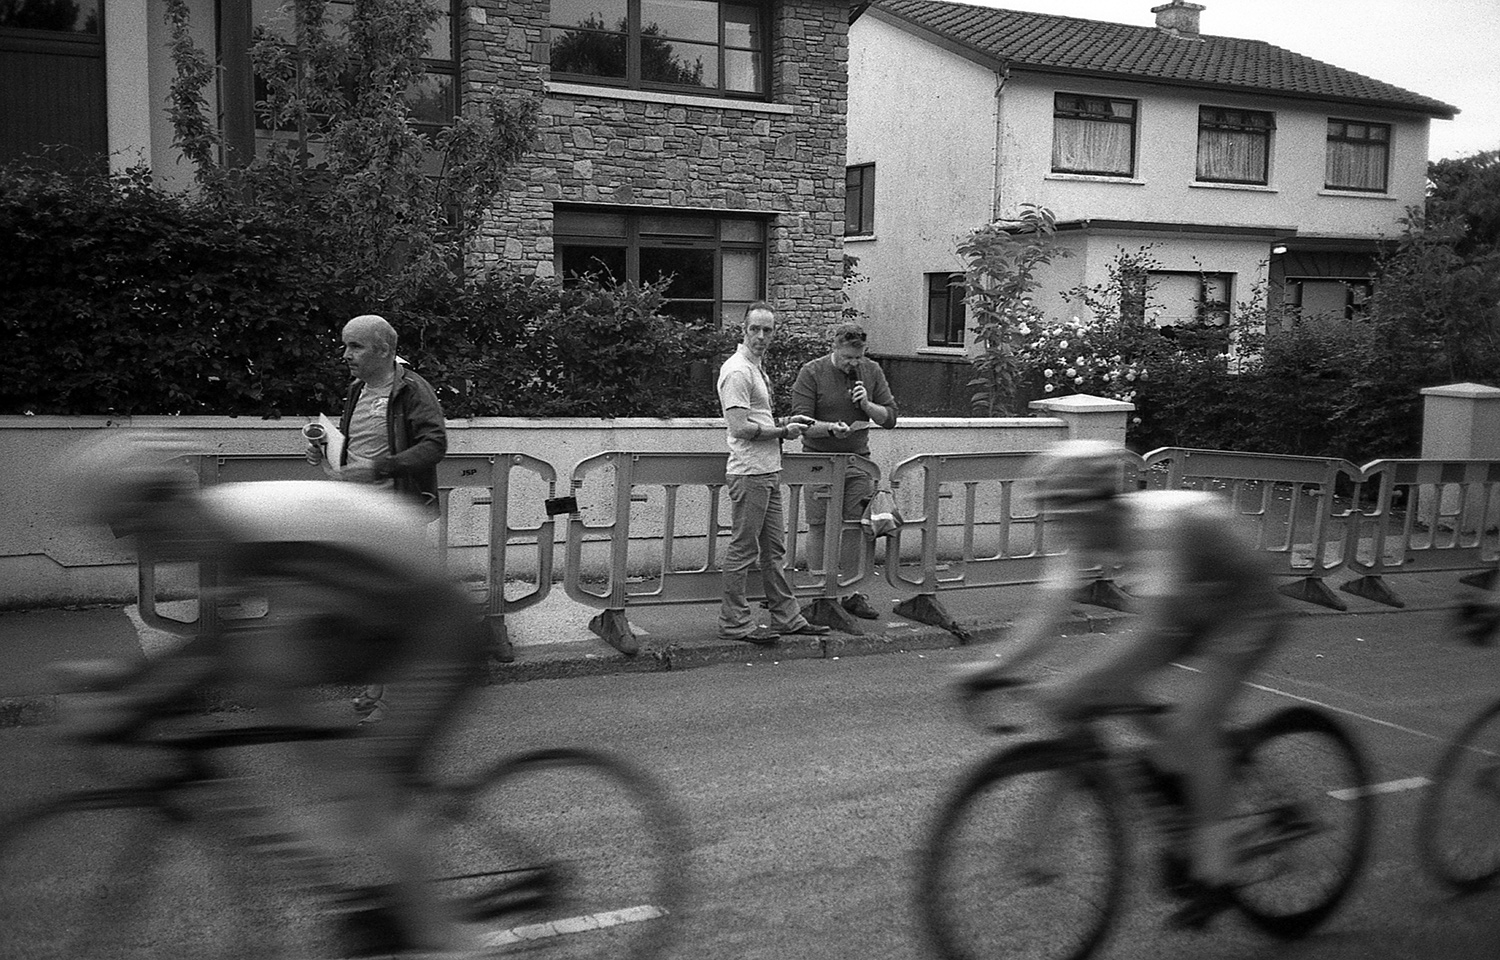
x: 794, y: 429
x: 314, y: 453
x: 839, y: 430
x: 859, y: 394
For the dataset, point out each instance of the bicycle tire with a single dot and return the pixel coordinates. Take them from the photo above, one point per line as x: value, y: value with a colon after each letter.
x: 1302, y: 819
x: 979, y: 894
x: 593, y: 832
x: 1458, y: 829
x: 114, y: 874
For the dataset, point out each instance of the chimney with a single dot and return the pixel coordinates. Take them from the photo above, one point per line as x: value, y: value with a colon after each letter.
x: 1178, y: 18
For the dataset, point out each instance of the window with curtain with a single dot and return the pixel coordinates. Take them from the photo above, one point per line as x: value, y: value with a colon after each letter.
x: 715, y: 266
x: 1093, y: 135
x: 945, y: 310
x: 1234, y: 146
x: 1358, y: 156
x: 1330, y: 296
x: 859, y: 200
x: 706, y: 46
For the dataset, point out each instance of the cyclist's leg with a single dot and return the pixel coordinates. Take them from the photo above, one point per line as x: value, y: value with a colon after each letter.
x: 1193, y: 736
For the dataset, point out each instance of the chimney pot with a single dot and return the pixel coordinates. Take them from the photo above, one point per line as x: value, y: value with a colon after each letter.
x: 1178, y: 17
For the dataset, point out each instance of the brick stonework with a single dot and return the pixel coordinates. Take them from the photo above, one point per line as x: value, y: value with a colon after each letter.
x: 603, y: 150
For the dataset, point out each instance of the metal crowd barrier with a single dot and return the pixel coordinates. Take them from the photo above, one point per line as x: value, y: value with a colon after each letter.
x: 1016, y: 547
x: 969, y: 522
x: 1308, y: 538
x: 1428, y: 515
x: 491, y: 473
x: 670, y: 576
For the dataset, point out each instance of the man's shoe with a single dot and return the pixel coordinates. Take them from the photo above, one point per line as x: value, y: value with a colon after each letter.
x: 810, y: 630
x: 760, y: 636
x: 859, y: 605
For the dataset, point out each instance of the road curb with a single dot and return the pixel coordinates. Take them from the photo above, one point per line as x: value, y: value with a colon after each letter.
x: 567, y: 660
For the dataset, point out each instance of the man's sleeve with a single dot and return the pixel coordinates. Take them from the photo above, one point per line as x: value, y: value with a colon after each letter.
x: 734, y: 390
x: 881, y: 394
x: 805, y: 392
x: 427, y: 431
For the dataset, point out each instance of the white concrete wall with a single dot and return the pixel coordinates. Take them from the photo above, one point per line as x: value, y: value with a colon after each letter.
x: 926, y: 118
x: 47, y: 557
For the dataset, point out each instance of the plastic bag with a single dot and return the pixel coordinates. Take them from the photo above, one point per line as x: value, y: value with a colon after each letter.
x: 882, y: 516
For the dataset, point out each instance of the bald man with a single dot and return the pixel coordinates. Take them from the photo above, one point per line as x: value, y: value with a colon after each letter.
x: 393, y: 424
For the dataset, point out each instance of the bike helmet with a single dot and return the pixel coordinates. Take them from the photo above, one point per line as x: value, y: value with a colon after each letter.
x: 1077, y: 473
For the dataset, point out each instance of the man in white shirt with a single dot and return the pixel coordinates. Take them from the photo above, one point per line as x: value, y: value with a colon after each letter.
x: 753, y: 479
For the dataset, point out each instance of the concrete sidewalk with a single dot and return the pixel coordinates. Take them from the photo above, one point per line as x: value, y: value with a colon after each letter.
x: 553, y: 640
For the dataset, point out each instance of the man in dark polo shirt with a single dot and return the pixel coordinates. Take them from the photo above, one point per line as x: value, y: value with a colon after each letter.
x: 846, y: 393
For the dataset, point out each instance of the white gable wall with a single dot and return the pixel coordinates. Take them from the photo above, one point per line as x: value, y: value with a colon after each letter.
x: 1163, y: 189
x: 926, y: 118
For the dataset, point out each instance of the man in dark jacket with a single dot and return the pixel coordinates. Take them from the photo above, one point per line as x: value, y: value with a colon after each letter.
x: 393, y: 425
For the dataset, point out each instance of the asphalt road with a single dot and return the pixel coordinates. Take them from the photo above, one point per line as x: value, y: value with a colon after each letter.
x: 809, y: 784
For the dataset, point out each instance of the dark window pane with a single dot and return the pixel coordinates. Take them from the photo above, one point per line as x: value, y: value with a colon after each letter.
x: 577, y: 260
x: 589, y: 53
x: 670, y: 61
x: 692, y: 271
x: 59, y: 16
x: 431, y: 98
x: 572, y: 223
x: 742, y: 27
x: 681, y: 19
x: 601, y: 14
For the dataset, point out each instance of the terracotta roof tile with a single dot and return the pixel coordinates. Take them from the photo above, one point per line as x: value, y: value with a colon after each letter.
x: 1041, y: 41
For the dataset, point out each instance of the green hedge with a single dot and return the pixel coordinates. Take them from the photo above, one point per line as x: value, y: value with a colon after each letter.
x: 122, y: 299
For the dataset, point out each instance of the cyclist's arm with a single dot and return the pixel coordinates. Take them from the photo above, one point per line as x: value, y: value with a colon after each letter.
x: 1033, y: 633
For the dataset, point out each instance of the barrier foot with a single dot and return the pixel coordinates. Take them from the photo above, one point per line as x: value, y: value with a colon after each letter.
x: 612, y: 626
x: 1313, y: 590
x: 830, y: 612
x: 1484, y: 579
x: 1105, y: 593
x: 1372, y: 588
x: 926, y: 608
x: 498, y: 645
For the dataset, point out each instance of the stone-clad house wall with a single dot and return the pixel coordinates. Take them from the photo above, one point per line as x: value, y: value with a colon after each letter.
x: 785, y: 158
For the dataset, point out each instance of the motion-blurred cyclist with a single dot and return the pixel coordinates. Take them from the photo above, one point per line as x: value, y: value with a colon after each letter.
x: 355, y: 594
x: 1204, y: 594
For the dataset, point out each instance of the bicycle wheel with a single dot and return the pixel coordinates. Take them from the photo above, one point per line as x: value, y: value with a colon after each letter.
x: 1458, y: 833
x: 1026, y: 859
x: 567, y: 853
x: 1302, y: 819
x: 114, y: 875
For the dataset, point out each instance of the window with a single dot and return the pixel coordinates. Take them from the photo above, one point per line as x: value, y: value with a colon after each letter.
x: 1234, y: 146
x: 716, y: 264
x: 1329, y: 297
x: 52, y: 86
x: 1093, y: 135
x: 1188, y: 298
x: 1358, y: 154
x: 433, y: 96
x: 945, y: 309
x: 702, y: 46
x: 859, y: 200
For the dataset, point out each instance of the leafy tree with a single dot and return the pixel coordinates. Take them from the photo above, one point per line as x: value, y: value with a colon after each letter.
x: 1003, y: 258
x: 1466, y: 191
x: 399, y: 206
